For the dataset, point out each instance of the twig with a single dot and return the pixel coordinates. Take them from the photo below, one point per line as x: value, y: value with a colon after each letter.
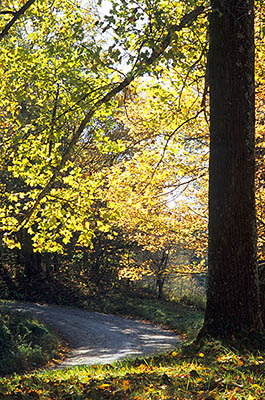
x: 166, y: 144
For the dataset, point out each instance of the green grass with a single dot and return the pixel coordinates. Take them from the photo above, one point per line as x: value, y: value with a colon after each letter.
x: 25, y: 343
x: 178, y: 317
x: 210, y: 371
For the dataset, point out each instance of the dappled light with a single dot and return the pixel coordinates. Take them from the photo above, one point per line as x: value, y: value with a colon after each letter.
x: 132, y: 199
x: 97, y: 338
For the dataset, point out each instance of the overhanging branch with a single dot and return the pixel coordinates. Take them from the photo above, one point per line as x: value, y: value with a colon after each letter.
x: 138, y: 71
x: 16, y: 16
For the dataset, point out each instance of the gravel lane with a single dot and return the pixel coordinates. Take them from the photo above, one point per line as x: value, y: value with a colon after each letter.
x: 97, y: 338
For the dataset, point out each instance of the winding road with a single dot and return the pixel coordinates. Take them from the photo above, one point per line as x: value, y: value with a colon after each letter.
x: 97, y: 338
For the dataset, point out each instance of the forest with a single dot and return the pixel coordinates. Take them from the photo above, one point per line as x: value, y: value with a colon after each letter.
x: 132, y: 182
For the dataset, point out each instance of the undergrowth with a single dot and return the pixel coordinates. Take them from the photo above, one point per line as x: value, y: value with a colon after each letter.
x: 25, y: 343
x: 178, y: 317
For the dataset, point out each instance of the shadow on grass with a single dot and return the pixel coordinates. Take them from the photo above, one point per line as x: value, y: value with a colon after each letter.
x: 209, y: 371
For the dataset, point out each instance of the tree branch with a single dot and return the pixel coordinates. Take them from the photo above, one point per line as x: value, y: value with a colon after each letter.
x: 7, y: 12
x: 156, y: 53
x: 169, y: 137
x: 16, y: 15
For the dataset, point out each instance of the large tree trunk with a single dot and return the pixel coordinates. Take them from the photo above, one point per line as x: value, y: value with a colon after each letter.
x: 232, y: 297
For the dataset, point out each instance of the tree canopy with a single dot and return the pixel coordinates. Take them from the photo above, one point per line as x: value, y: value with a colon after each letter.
x: 64, y: 82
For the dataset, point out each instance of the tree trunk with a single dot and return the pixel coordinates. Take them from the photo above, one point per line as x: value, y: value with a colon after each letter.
x: 8, y: 286
x: 232, y: 296
x: 47, y: 259
x: 31, y: 261
x: 261, y: 269
x: 160, y: 283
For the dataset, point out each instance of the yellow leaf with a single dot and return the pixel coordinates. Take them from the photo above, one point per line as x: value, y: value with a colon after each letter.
x: 125, y: 384
x: 104, y: 386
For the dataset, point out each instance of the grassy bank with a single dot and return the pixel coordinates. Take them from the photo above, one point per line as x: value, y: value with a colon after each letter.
x: 185, y: 320
x: 25, y: 343
x: 208, y: 372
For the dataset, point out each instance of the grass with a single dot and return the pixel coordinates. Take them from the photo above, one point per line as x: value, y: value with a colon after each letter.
x: 25, y: 343
x: 182, y: 319
x: 206, y: 372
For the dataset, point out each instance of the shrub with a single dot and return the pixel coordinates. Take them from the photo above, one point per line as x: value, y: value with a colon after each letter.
x: 24, y: 342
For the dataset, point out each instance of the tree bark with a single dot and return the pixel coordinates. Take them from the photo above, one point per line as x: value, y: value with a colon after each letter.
x: 31, y: 261
x: 232, y: 296
x: 160, y: 283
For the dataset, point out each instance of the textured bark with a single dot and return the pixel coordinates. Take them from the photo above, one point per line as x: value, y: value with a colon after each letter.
x: 232, y: 297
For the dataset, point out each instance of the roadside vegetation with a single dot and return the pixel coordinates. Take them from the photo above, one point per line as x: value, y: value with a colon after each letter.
x: 183, y: 319
x: 210, y: 371
x: 25, y: 343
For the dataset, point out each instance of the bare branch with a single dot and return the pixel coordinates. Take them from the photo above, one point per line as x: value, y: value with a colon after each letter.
x: 7, y: 12
x: 166, y: 144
